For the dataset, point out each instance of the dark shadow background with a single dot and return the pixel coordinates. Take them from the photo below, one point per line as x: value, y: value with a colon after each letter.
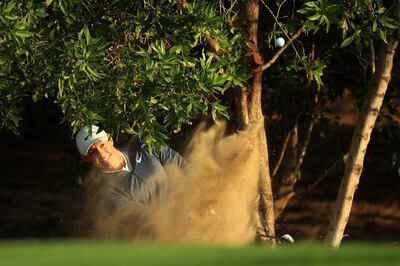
x: 42, y: 192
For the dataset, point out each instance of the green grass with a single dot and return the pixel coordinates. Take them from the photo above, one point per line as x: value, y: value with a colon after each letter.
x: 99, y: 253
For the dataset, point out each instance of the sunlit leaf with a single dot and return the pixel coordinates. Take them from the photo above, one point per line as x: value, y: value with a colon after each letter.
x: 23, y: 33
x: 347, y: 41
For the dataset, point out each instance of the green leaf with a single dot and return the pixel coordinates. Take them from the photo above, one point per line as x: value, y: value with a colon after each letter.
x: 345, y: 157
x: 189, y: 107
x: 63, y: 7
x: 96, y: 116
x: 23, y: 33
x: 48, y: 2
x: 344, y: 26
x: 162, y: 48
x: 163, y: 106
x: 223, y: 111
x: 314, y: 17
x: 311, y: 4
x: 10, y: 6
x: 3, y: 83
x: 11, y: 17
x: 13, y: 116
x: 374, y: 26
x: 92, y: 74
x: 381, y: 10
x: 332, y: 9
x: 382, y: 34
x: 219, y: 80
x: 52, y: 35
x: 390, y: 23
x: 209, y: 60
x: 87, y: 35
x: 175, y: 49
x: 309, y: 25
x: 214, y: 116
x: 325, y: 18
x: 41, y: 12
x: 347, y: 41
x: 306, y: 11
x: 60, y: 87
x: 128, y: 129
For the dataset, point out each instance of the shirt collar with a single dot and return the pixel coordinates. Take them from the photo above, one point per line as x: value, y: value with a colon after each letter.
x: 127, y: 167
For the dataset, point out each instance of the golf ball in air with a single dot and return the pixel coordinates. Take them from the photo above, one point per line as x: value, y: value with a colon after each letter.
x: 280, y: 42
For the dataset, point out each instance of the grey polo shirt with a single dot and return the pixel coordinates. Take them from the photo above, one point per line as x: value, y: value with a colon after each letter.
x: 142, y: 181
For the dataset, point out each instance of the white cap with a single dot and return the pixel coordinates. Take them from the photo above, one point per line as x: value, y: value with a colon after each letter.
x: 84, y: 139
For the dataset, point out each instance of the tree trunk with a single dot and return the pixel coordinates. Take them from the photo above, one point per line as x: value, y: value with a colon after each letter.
x: 248, y: 109
x: 360, y: 140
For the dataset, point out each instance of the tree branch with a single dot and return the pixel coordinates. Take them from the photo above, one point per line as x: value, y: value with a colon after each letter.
x: 320, y: 179
x: 279, y: 52
x: 372, y: 56
x: 282, y: 153
x: 305, y: 145
x: 277, y: 22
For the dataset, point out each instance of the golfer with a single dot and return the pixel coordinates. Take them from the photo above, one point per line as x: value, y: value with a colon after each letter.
x: 130, y: 174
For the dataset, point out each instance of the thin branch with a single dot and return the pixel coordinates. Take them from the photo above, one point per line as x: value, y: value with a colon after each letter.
x: 372, y: 56
x: 321, y: 178
x: 279, y: 52
x: 293, y: 8
x: 363, y: 62
x: 305, y: 145
x: 279, y: 8
x: 14, y: 78
x: 277, y: 15
x: 277, y: 22
x: 284, y: 145
x: 225, y: 10
x: 282, y: 153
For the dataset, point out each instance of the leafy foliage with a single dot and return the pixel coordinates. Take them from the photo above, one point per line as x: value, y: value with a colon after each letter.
x: 358, y: 20
x: 134, y: 67
x: 319, y: 65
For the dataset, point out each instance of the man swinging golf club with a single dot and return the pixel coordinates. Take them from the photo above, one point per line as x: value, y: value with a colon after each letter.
x: 130, y: 174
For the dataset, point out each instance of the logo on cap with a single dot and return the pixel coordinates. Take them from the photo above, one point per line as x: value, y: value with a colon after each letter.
x: 139, y: 158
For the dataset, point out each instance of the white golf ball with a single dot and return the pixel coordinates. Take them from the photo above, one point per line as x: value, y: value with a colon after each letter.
x: 280, y: 42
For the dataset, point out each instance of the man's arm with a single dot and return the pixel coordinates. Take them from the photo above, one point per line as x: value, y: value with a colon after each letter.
x: 166, y: 155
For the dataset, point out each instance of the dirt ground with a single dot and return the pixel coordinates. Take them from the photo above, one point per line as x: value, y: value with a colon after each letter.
x: 375, y: 214
x: 372, y: 218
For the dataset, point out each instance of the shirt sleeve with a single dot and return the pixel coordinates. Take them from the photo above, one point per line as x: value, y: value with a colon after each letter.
x: 166, y: 155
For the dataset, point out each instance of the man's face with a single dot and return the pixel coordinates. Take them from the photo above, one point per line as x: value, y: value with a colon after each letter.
x: 105, y: 156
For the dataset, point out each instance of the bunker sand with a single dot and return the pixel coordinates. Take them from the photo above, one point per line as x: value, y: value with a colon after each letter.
x: 212, y: 202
